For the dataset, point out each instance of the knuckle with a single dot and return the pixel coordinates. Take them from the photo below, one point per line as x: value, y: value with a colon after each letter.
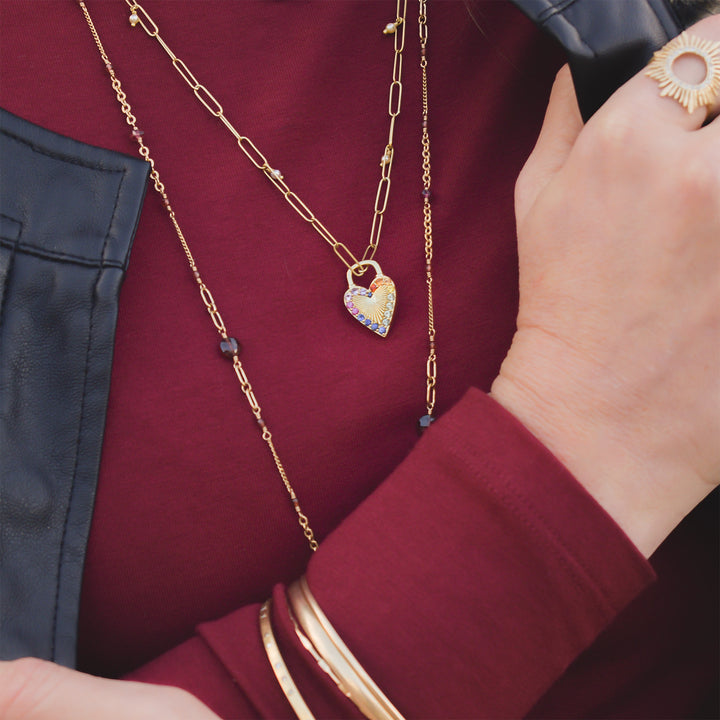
x: 613, y: 130
x: 699, y: 179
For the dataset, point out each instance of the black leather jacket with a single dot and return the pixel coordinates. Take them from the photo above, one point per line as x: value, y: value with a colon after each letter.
x: 68, y: 214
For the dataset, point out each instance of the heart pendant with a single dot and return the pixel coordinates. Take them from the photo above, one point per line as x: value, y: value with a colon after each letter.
x: 373, y: 306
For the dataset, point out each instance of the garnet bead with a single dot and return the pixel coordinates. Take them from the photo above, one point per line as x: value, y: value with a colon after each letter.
x: 230, y: 347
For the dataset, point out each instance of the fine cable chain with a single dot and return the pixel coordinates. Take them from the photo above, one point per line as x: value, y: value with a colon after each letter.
x: 431, y: 366
x: 140, y: 16
x: 228, y: 345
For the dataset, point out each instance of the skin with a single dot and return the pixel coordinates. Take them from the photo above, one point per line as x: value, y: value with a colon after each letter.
x: 614, y: 363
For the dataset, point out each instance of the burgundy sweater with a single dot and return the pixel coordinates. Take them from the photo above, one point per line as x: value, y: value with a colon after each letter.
x: 469, y: 573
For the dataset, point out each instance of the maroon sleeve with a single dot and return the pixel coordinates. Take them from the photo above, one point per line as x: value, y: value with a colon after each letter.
x: 465, y: 585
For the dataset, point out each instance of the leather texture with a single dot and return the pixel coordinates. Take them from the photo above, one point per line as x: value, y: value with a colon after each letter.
x: 68, y: 213
x: 607, y: 41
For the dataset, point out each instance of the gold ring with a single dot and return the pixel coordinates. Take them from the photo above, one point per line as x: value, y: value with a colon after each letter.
x: 689, y: 95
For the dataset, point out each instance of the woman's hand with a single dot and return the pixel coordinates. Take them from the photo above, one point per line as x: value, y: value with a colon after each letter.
x: 615, y: 365
x: 33, y: 689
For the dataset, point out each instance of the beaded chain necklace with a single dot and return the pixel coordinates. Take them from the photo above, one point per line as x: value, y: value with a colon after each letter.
x: 372, y: 306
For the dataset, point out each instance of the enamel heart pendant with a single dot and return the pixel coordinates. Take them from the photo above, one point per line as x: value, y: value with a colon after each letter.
x: 371, y: 306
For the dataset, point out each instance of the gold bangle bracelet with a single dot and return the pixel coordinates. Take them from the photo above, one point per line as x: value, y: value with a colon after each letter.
x: 305, y: 642
x: 345, y: 670
x: 287, y: 685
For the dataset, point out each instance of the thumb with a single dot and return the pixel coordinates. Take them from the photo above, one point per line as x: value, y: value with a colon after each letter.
x: 560, y: 129
x: 32, y: 689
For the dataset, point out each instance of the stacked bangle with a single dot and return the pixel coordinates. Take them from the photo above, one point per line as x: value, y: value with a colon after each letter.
x: 334, y: 657
x: 279, y: 668
x: 320, y: 639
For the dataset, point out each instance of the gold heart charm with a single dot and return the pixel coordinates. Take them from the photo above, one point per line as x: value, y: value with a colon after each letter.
x: 373, y: 306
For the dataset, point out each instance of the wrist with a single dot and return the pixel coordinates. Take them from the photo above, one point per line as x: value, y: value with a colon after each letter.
x: 563, y: 401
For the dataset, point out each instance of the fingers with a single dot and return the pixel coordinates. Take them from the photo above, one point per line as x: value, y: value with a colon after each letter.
x: 561, y: 126
x: 640, y: 99
x: 32, y: 689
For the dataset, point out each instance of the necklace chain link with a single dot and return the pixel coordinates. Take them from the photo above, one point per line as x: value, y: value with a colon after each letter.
x: 140, y: 16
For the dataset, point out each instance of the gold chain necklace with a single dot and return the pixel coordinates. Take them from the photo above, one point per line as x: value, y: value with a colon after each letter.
x: 431, y: 367
x: 229, y: 345
x: 373, y: 307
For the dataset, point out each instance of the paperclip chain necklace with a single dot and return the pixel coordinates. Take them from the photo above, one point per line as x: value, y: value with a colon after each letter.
x: 228, y: 344
x: 373, y: 307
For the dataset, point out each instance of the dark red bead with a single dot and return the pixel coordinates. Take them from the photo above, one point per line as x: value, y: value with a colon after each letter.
x: 230, y: 347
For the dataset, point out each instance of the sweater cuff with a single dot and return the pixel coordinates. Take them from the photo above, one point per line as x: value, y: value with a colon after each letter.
x: 469, y: 581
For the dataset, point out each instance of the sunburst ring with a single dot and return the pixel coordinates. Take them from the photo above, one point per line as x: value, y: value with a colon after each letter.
x: 689, y: 95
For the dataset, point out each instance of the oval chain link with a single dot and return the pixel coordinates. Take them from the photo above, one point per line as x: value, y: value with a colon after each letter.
x: 141, y: 17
